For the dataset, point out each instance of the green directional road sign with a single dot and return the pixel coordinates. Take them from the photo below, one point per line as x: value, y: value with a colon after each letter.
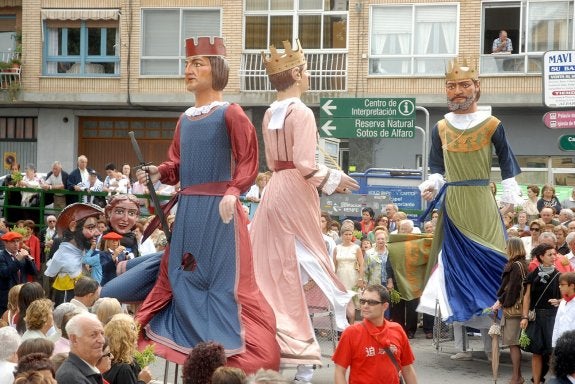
x: 367, y: 117
x: 567, y: 143
x: 367, y: 128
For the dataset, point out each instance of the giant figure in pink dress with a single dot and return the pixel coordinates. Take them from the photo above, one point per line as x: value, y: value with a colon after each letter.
x: 288, y: 247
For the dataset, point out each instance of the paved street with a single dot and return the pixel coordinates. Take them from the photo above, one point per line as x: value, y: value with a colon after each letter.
x: 432, y: 366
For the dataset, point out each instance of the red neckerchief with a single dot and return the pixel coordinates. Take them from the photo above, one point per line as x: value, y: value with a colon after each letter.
x: 378, y: 333
x: 568, y: 298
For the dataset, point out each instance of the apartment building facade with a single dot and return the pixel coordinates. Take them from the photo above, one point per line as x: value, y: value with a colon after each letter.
x: 93, y: 71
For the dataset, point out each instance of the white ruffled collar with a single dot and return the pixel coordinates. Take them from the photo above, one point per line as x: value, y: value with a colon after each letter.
x: 196, y: 111
x: 467, y: 120
x: 279, y: 110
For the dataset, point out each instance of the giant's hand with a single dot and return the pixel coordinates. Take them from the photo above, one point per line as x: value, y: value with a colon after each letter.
x: 347, y: 184
x: 149, y: 170
x: 428, y: 194
x: 430, y: 186
x: 227, y: 207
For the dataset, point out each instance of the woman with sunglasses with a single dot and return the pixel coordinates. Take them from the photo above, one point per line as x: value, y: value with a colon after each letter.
x: 542, y: 294
x: 532, y: 240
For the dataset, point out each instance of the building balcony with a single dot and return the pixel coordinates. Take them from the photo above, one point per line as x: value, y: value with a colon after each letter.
x: 328, y: 72
x: 511, y: 64
x: 10, y: 74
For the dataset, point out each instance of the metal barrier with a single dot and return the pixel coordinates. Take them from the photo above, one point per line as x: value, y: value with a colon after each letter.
x: 41, y: 210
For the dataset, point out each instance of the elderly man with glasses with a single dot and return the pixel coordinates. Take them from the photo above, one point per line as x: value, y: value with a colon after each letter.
x: 375, y: 350
x: 47, y: 235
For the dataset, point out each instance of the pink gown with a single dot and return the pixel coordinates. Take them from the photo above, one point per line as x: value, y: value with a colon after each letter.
x: 287, y: 241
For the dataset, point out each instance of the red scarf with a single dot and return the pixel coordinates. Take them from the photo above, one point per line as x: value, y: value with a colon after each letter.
x: 568, y: 298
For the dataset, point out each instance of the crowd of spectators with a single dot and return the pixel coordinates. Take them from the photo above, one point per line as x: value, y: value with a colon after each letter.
x: 39, y: 337
x: 78, y: 337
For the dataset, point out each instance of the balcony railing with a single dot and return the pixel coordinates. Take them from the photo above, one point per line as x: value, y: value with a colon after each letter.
x: 509, y: 64
x: 10, y: 78
x: 328, y: 72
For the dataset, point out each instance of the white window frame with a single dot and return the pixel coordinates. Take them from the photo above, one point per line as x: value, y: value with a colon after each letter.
x: 181, y: 56
x: 83, y: 64
x: 524, y: 57
x: 414, y: 60
x: 294, y: 13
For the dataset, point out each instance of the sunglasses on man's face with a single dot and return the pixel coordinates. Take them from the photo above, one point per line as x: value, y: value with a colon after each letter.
x: 534, y: 229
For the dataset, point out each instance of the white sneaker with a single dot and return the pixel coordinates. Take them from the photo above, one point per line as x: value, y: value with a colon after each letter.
x: 299, y: 381
x: 462, y: 356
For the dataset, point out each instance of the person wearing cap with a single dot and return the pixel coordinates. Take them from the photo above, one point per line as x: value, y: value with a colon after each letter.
x: 77, y: 226
x: 293, y: 239
x: 103, y: 262
x: 469, y: 234
x: 211, y: 292
x: 15, y: 264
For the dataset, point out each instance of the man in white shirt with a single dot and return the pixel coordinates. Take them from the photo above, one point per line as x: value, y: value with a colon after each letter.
x: 86, y: 292
x: 56, y: 179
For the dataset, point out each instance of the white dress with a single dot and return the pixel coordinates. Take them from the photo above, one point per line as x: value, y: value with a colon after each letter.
x: 346, y: 261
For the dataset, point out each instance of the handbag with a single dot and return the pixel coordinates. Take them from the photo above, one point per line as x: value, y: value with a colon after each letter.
x: 531, y: 315
x: 517, y: 309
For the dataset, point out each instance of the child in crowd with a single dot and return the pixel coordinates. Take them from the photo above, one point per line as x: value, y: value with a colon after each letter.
x: 103, y: 262
x: 565, y: 318
x: 365, y: 245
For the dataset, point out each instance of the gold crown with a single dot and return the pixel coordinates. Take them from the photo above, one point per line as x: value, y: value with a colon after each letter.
x: 277, y: 63
x: 457, y: 72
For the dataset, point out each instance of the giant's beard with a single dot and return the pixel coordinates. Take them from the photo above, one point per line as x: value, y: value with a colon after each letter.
x: 81, y: 241
x: 453, y: 106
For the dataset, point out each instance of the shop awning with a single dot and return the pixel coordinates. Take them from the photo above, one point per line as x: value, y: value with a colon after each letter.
x: 80, y: 14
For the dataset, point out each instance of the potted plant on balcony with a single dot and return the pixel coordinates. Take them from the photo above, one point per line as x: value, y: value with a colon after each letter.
x: 5, y: 66
x: 15, y: 62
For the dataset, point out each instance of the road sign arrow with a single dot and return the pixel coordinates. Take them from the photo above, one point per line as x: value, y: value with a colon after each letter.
x: 327, y: 107
x: 327, y: 128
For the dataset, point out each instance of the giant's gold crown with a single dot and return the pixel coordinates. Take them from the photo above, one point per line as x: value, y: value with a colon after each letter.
x: 456, y: 72
x: 291, y: 58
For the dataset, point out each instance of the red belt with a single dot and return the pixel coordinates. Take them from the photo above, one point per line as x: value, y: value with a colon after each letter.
x: 217, y: 188
x: 283, y: 165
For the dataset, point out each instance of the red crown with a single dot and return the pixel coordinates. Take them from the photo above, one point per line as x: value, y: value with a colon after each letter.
x: 206, y: 46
